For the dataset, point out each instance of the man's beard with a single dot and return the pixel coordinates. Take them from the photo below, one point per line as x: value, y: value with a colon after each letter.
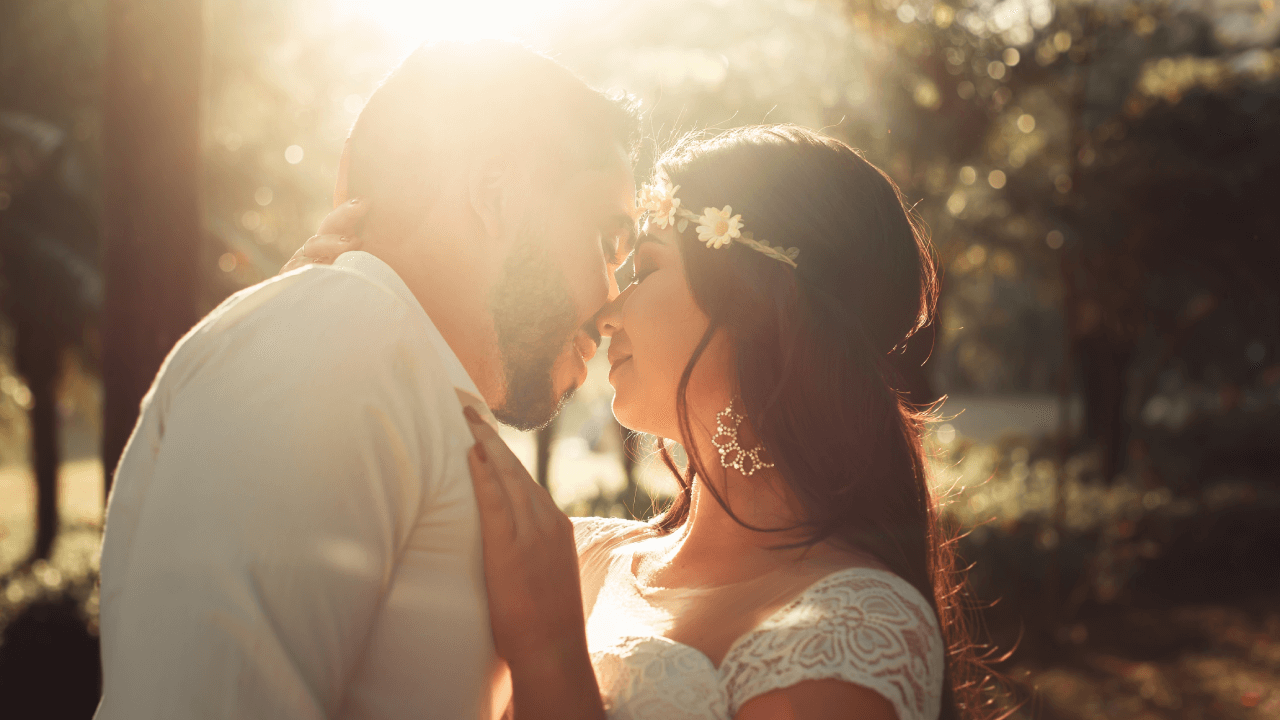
x: 534, y: 318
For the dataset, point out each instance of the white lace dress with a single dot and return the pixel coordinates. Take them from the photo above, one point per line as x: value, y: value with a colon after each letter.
x: 860, y: 625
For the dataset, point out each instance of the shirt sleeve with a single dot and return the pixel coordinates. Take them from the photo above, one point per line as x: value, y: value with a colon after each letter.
x: 291, y: 453
x: 866, y: 628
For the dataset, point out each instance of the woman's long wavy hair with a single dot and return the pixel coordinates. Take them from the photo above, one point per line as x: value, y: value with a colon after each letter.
x: 814, y: 349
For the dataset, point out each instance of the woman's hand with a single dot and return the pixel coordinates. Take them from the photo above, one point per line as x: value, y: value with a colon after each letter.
x: 336, y: 235
x: 535, y: 596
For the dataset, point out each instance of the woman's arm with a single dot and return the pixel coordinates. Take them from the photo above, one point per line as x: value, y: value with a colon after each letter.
x: 535, y: 596
x: 819, y: 700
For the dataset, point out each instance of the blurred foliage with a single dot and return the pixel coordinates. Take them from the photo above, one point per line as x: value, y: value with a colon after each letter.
x: 49, y: 666
x: 1139, y: 602
x: 50, y: 74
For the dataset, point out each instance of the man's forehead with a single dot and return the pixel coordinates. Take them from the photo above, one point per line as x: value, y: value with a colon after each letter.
x: 610, y: 191
x: 618, y: 179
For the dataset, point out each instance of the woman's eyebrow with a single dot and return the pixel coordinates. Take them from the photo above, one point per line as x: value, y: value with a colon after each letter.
x: 623, y: 221
x: 641, y: 240
x: 647, y: 238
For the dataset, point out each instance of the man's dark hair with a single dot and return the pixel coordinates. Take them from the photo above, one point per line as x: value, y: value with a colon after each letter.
x: 450, y: 100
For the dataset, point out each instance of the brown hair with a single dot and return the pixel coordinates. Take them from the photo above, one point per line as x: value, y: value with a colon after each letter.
x: 814, y: 349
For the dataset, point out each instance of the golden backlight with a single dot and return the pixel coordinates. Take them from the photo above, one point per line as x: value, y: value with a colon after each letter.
x: 412, y: 22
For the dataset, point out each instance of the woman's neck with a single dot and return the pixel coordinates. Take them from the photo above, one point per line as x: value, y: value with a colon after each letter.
x: 715, y: 548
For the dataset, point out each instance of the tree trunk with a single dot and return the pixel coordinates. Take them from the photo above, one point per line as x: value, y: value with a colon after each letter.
x: 1104, y: 366
x: 151, y: 215
x: 37, y: 358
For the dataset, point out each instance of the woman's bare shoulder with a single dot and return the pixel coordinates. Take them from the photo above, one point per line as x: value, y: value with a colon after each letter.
x: 592, y: 531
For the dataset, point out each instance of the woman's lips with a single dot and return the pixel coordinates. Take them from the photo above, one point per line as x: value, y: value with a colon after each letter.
x: 617, y: 364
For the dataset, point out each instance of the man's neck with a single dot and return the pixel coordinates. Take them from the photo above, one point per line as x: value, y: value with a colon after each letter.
x: 456, y: 304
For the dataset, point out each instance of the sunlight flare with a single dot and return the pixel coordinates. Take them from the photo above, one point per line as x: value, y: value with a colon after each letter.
x: 412, y: 22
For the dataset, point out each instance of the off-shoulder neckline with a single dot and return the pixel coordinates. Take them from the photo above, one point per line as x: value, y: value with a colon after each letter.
x: 892, y: 579
x: 790, y: 606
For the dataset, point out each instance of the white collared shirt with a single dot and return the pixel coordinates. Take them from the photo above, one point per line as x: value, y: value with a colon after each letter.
x: 292, y: 532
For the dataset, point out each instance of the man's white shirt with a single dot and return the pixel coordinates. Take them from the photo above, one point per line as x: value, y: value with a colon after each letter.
x: 292, y: 532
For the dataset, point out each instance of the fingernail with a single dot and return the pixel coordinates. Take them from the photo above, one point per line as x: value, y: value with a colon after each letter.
x: 471, y: 414
x: 480, y: 453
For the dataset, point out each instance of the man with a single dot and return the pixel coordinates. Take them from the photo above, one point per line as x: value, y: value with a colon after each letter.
x: 292, y: 532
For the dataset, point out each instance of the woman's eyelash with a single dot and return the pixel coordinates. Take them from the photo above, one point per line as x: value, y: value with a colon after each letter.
x: 614, y: 242
x: 627, y: 274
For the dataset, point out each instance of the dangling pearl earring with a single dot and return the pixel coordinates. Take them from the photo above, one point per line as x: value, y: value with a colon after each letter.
x: 726, y: 441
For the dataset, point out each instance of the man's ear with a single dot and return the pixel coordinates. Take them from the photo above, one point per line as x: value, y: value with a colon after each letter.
x: 340, y: 188
x: 488, y: 189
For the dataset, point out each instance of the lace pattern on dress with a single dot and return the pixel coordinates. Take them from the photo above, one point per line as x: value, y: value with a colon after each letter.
x: 647, y: 678
x: 867, y: 627
x: 863, y: 626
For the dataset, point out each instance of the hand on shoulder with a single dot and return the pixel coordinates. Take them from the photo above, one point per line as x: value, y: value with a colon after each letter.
x: 338, y: 233
x: 819, y: 700
x: 531, y: 572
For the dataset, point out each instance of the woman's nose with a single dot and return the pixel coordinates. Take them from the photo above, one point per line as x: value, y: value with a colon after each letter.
x: 609, y: 319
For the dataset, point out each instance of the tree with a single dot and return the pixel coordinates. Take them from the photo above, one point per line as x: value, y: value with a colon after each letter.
x: 151, y: 211
x: 51, y: 289
x: 50, y: 286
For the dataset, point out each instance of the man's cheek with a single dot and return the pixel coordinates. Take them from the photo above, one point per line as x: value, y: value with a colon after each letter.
x: 591, y: 291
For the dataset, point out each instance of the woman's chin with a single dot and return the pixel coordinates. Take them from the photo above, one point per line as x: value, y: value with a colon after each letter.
x: 634, y: 420
x: 620, y: 413
x: 625, y: 414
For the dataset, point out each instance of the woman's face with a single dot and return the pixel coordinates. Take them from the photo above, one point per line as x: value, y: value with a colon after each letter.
x: 655, y: 325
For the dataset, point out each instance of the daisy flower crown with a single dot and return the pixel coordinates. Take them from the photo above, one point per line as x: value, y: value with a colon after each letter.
x: 718, y: 228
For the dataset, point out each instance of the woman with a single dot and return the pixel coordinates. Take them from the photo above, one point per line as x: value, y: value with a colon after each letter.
x: 800, y: 572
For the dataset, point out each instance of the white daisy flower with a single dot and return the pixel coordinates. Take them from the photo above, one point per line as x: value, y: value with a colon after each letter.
x: 662, y: 203
x: 718, y: 228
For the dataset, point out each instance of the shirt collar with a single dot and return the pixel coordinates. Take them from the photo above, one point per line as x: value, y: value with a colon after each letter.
x: 378, y: 271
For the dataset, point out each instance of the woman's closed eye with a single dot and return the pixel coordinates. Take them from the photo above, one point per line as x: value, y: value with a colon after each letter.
x: 617, y: 241
x: 633, y: 271
x: 642, y: 272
